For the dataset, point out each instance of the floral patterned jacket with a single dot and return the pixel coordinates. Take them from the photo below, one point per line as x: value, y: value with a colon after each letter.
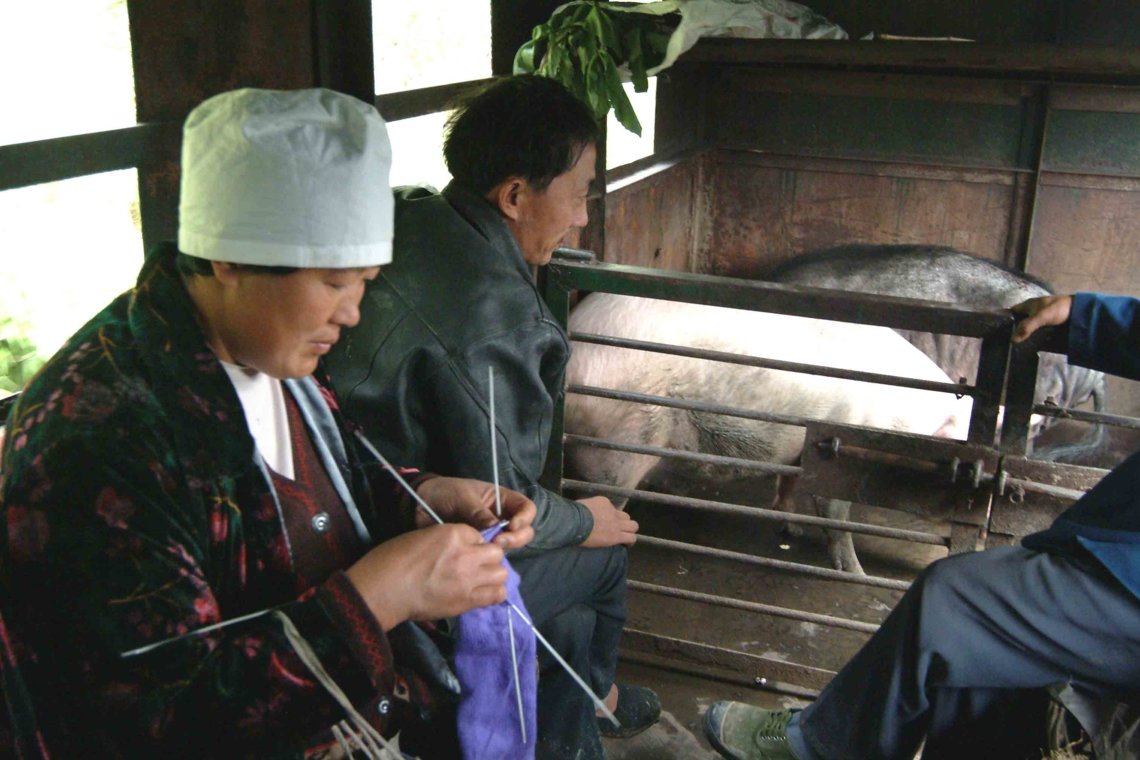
x: 136, y: 512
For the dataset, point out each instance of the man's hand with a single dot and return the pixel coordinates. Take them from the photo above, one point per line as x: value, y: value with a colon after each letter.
x: 464, y: 500
x: 428, y: 574
x: 612, y: 526
x: 1041, y: 312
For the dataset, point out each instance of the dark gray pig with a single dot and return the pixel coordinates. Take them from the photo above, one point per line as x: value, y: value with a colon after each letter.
x: 938, y: 273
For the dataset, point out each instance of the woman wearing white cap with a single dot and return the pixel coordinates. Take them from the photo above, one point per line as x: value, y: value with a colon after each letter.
x: 190, y: 524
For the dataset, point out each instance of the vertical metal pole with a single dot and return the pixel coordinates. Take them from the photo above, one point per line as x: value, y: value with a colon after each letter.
x: 556, y: 292
x: 990, y: 382
x: 1019, y: 392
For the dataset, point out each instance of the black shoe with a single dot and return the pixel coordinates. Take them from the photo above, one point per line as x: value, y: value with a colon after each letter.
x: 638, y: 708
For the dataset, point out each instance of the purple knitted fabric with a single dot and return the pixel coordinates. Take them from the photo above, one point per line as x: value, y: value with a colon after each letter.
x: 488, y: 712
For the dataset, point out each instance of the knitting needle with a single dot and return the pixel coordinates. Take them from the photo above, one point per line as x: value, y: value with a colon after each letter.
x: 215, y: 626
x: 388, y: 465
x: 518, y: 685
x: 499, y: 513
x: 195, y: 632
x: 565, y: 666
x: 494, y: 449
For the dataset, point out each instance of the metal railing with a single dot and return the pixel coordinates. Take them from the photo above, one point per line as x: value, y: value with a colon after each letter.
x: 993, y: 327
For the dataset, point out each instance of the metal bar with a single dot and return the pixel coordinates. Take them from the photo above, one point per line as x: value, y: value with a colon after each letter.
x: 784, y: 366
x: 709, y: 661
x: 758, y: 513
x: 818, y: 303
x: 1033, y: 486
x: 690, y: 405
x: 557, y: 298
x: 691, y: 456
x: 901, y: 461
x: 776, y: 564
x: 1051, y: 410
x: 992, y: 361
x: 1020, y: 390
x: 763, y: 609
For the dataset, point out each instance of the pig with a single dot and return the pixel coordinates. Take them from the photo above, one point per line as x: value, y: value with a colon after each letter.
x: 939, y: 273
x: 753, y: 333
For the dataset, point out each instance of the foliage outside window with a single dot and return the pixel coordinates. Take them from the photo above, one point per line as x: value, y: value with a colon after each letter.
x: 70, y: 246
x: 588, y: 45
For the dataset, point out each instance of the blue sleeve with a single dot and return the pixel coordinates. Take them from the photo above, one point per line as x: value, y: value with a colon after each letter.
x: 1104, y: 333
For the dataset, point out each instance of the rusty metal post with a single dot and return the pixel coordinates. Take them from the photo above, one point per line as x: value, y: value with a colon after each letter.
x: 556, y: 292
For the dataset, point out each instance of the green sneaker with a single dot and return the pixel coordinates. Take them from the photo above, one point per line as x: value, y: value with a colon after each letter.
x: 740, y: 731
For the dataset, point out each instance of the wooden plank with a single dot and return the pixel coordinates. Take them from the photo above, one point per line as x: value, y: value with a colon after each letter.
x: 1093, y: 142
x: 881, y: 127
x: 759, y: 217
x: 67, y: 157
x: 899, y: 167
x: 184, y: 51
x: 1024, y: 60
x: 859, y: 84
x: 394, y: 106
x: 1110, y: 98
x: 650, y: 222
x: 343, y: 47
x: 1088, y: 239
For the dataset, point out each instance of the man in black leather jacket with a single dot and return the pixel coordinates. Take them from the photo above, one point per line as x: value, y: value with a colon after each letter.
x: 459, y: 299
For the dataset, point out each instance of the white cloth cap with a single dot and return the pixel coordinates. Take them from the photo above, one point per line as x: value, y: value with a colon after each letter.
x: 293, y: 178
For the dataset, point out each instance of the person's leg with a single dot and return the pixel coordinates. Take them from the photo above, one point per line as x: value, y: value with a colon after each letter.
x: 1001, y: 619
x: 577, y: 599
x: 979, y: 724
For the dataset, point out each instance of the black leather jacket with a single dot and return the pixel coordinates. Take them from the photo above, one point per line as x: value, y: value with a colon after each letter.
x: 457, y: 299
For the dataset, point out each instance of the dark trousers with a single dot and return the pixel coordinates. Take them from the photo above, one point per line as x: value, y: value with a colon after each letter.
x: 962, y: 659
x: 577, y: 598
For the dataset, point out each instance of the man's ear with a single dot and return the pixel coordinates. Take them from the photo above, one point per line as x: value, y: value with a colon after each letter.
x: 507, y: 197
x: 224, y: 272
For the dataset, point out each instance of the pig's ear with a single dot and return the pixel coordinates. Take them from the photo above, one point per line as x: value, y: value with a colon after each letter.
x: 507, y: 197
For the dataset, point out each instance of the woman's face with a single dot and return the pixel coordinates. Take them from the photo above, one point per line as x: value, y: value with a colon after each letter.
x: 283, y: 324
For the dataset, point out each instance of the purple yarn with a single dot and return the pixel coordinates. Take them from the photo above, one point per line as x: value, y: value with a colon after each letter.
x: 488, y: 718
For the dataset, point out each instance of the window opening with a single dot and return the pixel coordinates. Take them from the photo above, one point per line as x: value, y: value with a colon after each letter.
x: 623, y: 146
x: 430, y: 42
x: 73, y: 59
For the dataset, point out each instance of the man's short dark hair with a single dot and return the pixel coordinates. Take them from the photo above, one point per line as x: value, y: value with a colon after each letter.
x: 521, y: 126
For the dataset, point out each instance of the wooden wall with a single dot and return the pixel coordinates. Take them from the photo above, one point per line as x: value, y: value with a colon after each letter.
x: 653, y: 221
x: 995, y: 158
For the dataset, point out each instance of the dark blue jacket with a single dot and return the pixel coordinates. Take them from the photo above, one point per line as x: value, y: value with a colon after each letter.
x: 1104, y: 334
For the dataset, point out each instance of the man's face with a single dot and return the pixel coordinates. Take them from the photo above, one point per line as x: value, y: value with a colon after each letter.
x: 282, y: 324
x: 545, y: 217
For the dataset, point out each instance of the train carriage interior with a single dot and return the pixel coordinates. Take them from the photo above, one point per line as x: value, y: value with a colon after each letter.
x: 1006, y: 130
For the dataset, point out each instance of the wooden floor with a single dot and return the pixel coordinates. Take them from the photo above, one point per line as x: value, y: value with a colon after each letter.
x: 685, y: 697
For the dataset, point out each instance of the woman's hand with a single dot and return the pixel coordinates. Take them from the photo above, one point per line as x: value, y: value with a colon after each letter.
x: 464, y: 500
